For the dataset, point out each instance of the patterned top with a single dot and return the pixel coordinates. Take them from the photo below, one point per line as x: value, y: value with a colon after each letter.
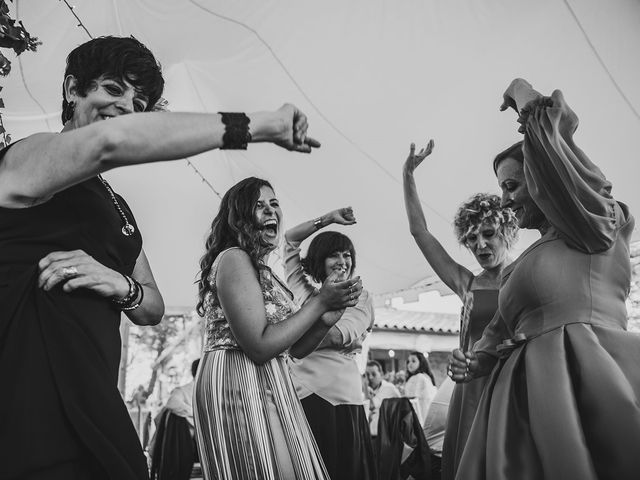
x: 278, y: 305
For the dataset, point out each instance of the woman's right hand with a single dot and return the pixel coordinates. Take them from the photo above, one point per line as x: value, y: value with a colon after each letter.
x: 336, y: 295
x: 293, y: 131
x: 414, y: 160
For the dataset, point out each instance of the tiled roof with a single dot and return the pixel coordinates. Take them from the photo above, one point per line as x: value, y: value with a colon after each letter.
x: 428, y: 322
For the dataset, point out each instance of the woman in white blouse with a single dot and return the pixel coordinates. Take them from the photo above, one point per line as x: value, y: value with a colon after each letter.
x: 327, y: 380
x: 420, y: 384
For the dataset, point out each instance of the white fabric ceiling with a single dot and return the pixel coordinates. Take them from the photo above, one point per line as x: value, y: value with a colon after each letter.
x: 372, y: 76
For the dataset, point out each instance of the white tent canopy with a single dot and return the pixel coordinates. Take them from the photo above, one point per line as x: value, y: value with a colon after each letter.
x: 373, y: 77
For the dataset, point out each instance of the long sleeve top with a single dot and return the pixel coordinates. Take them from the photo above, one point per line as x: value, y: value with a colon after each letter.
x: 330, y: 373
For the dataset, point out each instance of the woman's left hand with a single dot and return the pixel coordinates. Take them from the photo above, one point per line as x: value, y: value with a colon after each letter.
x: 76, y: 269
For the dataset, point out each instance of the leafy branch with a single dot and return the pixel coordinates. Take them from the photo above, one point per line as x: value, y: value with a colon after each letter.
x: 15, y: 36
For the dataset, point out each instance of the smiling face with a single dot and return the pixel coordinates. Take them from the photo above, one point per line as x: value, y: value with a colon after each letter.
x: 515, y: 194
x: 487, y: 245
x: 268, y: 216
x: 106, y: 98
x: 340, y: 261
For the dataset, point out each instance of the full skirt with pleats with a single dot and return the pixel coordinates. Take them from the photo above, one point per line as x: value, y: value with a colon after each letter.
x: 249, y: 421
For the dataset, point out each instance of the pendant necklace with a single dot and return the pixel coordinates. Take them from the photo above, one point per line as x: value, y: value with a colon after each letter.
x: 127, y: 228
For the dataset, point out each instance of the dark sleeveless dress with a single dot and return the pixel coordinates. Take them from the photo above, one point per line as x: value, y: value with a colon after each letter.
x: 60, y: 352
x: 465, y: 397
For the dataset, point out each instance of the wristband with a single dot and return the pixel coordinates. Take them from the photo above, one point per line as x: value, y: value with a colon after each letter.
x: 236, y: 131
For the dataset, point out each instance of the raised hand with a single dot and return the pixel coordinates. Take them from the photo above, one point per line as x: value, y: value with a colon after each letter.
x: 76, y: 269
x: 517, y: 95
x: 342, y: 216
x: 293, y: 135
x: 415, y: 159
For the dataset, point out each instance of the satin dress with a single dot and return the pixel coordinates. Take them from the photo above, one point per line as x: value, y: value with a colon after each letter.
x: 465, y: 397
x: 563, y: 401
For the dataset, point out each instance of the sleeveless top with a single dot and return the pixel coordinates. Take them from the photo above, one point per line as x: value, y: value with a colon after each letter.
x: 278, y: 305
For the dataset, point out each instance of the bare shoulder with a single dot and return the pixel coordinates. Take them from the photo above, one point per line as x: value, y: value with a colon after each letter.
x: 235, y: 263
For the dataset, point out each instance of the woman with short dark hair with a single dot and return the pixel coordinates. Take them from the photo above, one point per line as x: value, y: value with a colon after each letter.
x: 71, y: 258
x: 327, y: 378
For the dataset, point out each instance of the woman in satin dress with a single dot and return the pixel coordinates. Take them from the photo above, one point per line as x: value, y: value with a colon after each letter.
x: 563, y: 397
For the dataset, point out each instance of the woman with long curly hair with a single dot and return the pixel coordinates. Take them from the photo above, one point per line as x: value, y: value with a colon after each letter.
x: 488, y: 231
x: 249, y: 421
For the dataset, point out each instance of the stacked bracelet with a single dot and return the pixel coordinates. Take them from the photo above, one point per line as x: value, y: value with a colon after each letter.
x: 133, y: 298
x: 236, y: 131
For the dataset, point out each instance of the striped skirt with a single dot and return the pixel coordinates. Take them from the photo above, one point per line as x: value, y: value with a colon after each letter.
x: 249, y: 421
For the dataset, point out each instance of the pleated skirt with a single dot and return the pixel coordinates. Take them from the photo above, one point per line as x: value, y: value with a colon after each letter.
x: 249, y: 421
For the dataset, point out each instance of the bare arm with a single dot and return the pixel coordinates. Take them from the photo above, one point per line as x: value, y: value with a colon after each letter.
x: 90, y: 274
x: 341, y: 216
x: 241, y: 299
x: 454, y: 275
x: 39, y: 166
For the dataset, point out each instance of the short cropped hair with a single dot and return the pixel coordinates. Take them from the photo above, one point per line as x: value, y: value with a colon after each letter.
x: 375, y: 363
x: 119, y: 58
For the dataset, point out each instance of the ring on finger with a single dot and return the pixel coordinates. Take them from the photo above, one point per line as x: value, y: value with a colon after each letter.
x: 69, y: 272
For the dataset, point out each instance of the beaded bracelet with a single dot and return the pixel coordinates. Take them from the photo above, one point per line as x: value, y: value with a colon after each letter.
x: 236, y: 131
x: 131, y: 300
x: 135, y: 303
x: 131, y: 295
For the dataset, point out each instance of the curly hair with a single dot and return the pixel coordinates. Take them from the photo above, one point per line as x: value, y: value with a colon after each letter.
x: 322, y: 246
x: 120, y: 58
x: 423, y: 367
x: 485, y: 208
x: 234, y: 226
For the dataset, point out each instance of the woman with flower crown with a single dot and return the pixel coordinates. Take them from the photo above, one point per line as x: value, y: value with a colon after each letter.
x: 71, y: 259
x: 488, y: 231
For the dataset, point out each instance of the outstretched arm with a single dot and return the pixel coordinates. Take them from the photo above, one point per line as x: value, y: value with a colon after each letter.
x: 341, y: 216
x: 34, y: 169
x: 454, y: 275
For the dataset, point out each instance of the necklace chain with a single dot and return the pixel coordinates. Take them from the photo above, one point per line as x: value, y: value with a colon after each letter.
x: 127, y: 228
